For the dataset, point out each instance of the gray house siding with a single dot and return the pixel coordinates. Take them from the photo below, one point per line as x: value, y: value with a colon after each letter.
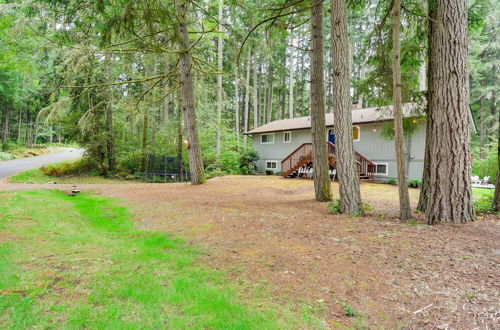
x: 371, y: 145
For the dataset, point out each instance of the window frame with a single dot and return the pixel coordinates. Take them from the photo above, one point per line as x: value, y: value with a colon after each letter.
x: 359, y: 133
x: 284, y: 134
x: 269, y: 168
x: 386, y: 169
x: 266, y: 134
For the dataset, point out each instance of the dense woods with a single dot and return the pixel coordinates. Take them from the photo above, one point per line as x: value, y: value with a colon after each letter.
x: 128, y: 80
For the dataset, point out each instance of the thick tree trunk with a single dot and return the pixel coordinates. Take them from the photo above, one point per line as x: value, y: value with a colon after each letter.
x: 404, y: 197
x: 321, y: 174
x: 247, y: 99
x: 450, y: 195
x: 219, y: 87
x: 424, y: 191
x: 255, y: 94
x: 350, y: 196
x: 196, y: 169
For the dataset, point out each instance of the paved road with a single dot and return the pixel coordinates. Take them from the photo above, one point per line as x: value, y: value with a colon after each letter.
x: 10, y: 167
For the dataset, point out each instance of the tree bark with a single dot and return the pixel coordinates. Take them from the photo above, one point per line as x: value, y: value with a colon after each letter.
x: 237, y: 104
x: 144, y: 144
x: 5, y: 128
x: 255, y: 94
x: 482, y: 129
x: 219, y: 87
x: 496, y: 197
x: 350, y: 196
x: 269, y: 105
x: 110, y: 138
x: 321, y: 174
x: 247, y: 99
x: 450, y: 195
x: 424, y: 191
x: 197, y: 172
x: 404, y: 197
x: 291, y: 79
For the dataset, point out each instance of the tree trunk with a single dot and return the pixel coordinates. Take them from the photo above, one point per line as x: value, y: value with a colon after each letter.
x: 270, y: 79
x: 291, y: 80
x: 404, y: 197
x: 247, y: 99
x: 5, y: 128
x: 196, y: 169
x: 110, y: 138
x: 255, y: 94
x: 424, y: 191
x: 237, y: 105
x: 350, y: 196
x: 179, y: 135
x: 145, y: 127
x: 482, y: 129
x: 19, y: 124
x: 219, y: 87
x: 496, y: 198
x: 450, y: 195
x: 321, y: 174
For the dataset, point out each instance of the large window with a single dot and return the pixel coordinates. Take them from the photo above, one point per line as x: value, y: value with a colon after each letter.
x: 355, y: 133
x: 381, y: 168
x: 267, y: 138
x: 271, y: 164
x: 287, y: 137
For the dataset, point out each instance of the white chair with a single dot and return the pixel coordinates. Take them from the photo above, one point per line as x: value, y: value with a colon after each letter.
x: 301, y: 172
x: 485, y: 180
x: 475, y: 179
x: 310, y: 172
x: 334, y: 173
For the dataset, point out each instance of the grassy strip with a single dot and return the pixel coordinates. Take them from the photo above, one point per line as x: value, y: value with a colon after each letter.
x: 78, y: 262
x: 37, y: 177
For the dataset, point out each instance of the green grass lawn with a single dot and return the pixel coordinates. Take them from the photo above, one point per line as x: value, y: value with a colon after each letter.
x: 477, y: 193
x: 79, y: 262
x: 37, y: 176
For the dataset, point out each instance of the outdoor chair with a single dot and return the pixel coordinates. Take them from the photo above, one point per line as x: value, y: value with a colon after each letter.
x: 475, y: 179
x: 485, y: 180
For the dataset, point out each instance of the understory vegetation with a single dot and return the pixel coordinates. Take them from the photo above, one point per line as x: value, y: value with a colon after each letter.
x: 79, y: 262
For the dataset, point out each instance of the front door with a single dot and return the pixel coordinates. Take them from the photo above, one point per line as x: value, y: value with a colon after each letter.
x: 331, y: 136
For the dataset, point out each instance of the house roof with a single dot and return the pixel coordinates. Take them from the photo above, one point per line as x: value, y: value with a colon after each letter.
x: 359, y: 116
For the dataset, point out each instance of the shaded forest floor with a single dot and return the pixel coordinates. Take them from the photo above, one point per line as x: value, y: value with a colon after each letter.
x: 366, y: 272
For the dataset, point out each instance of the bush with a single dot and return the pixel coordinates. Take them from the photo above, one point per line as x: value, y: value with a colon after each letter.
x: 414, y: 183
x: 484, y: 204
x: 80, y: 166
x: 130, y: 163
x: 392, y: 181
x: 334, y: 207
x: 247, y: 162
x: 487, y: 166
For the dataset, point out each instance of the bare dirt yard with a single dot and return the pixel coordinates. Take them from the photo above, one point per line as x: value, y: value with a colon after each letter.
x: 370, y: 272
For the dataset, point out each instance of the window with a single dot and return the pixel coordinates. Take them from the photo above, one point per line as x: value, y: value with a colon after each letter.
x: 271, y: 164
x: 287, y: 137
x: 381, y: 168
x: 355, y: 133
x: 267, y: 138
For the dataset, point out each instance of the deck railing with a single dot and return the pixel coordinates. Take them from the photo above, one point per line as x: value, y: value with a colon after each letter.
x: 364, y: 165
x: 303, y: 151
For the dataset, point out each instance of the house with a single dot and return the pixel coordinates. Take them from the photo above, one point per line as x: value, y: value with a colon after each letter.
x: 285, y: 145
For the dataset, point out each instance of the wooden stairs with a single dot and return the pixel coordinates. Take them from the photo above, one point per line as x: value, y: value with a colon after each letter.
x: 302, y: 156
